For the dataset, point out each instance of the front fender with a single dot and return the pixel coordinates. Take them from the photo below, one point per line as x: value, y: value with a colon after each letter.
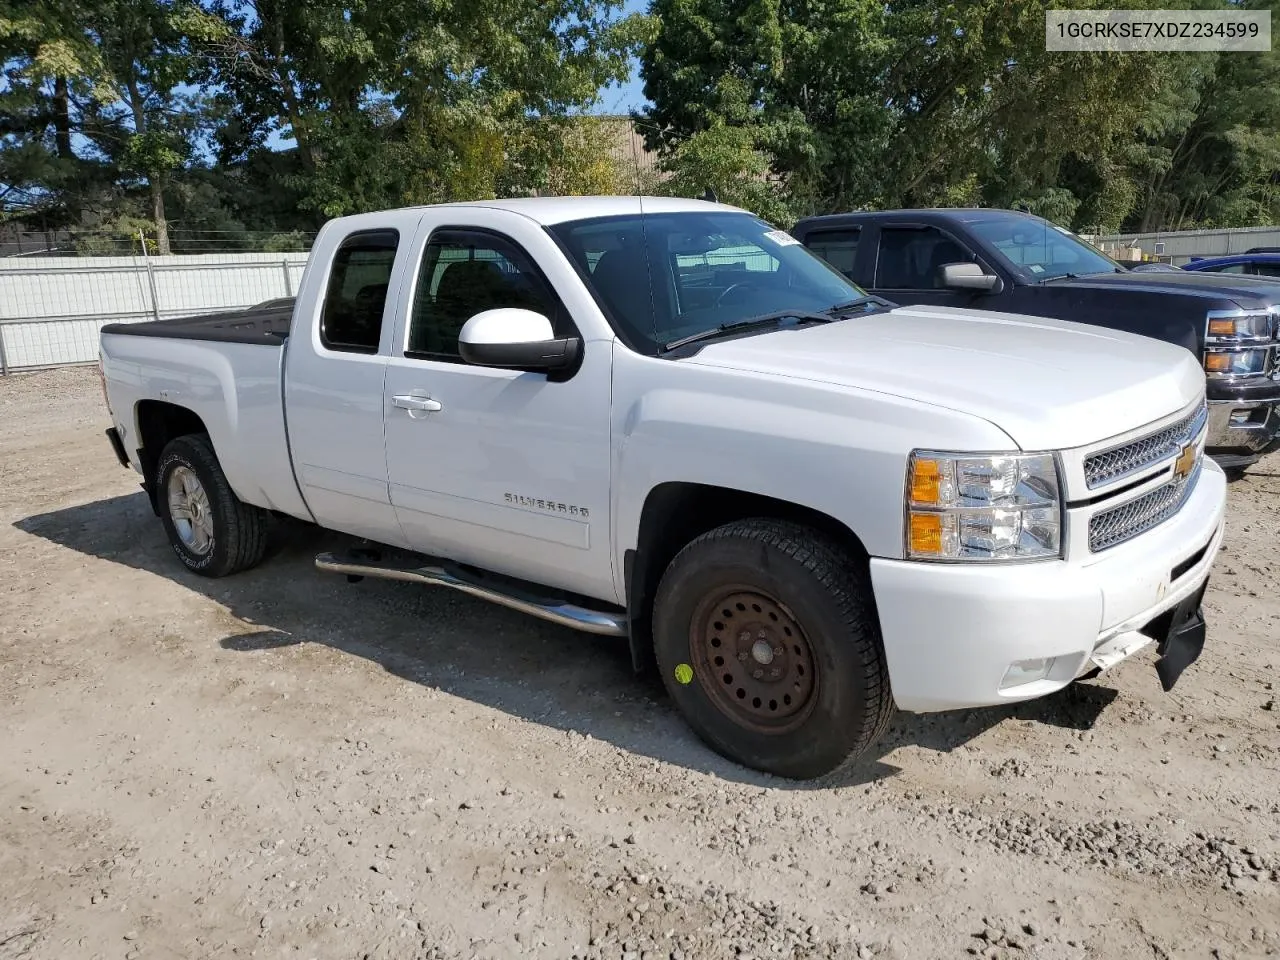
x: 840, y: 452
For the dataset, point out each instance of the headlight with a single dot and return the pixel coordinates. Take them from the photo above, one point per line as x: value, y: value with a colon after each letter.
x: 1002, y: 507
x: 1237, y: 327
x: 1236, y: 363
x: 1237, y: 342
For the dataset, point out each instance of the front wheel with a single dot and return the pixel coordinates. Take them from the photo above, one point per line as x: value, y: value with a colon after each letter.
x: 767, y: 639
x: 211, y: 530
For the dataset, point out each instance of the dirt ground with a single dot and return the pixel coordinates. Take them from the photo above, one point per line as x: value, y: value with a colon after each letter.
x: 282, y: 764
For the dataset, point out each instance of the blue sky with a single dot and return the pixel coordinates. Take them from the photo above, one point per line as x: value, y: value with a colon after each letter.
x: 624, y: 97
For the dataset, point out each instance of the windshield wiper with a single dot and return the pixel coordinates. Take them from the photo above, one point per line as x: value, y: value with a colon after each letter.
x: 766, y: 320
x: 1077, y: 276
x: 870, y: 300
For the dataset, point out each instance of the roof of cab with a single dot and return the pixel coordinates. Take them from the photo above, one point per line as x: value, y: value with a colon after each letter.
x: 962, y: 214
x: 553, y: 210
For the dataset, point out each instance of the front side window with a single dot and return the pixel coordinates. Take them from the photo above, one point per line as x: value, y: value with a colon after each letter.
x: 464, y: 273
x: 351, y: 316
x: 1039, y: 250
x: 911, y: 258
x: 662, y: 277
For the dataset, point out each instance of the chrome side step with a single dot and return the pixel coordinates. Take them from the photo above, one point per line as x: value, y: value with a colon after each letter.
x: 557, y: 611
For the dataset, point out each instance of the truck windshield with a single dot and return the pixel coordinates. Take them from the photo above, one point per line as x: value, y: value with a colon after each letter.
x: 1040, y: 250
x: 667, y: 276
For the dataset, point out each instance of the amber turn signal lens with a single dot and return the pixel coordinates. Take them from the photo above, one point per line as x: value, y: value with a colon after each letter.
x: 926, y: 481
x: 1222, y: 328
x: 1217, y: 362
x: 926, y: 533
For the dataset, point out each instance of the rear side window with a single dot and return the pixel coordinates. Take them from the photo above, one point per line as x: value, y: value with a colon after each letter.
x: 351, y: 319
x: 837, y: 247
x: 911, y: 258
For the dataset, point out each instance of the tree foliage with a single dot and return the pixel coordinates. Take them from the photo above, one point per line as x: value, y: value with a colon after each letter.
x: 855, y: 103
x: 251, y: 121
x: 259, y: 117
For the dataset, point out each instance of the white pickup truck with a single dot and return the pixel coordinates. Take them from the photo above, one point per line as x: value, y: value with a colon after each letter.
x: 665, y: 420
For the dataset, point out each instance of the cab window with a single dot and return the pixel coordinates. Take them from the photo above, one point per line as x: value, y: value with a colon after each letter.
x: 911, y: 258
x: 464, y: 273
x: 838, y: 247
x: 351, y: 317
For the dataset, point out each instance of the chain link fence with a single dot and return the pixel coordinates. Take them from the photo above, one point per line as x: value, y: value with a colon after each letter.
x: 51, y: 309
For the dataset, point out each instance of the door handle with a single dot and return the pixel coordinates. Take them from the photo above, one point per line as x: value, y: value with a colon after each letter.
x: 414, y: 404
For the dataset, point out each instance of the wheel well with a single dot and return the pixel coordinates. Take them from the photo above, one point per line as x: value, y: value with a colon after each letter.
x: 158, y: 423
x: 676, y: 513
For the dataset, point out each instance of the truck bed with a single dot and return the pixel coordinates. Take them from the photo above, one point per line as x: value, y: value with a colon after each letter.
x: 266, y: 323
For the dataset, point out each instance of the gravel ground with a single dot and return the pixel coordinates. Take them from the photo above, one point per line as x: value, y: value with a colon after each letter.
x: 281, y: 764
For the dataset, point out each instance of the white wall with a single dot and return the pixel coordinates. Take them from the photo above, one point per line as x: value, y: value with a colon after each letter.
x: 52, y: 308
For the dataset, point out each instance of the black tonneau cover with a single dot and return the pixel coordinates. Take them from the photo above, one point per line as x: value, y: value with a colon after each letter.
x: 267, y: 323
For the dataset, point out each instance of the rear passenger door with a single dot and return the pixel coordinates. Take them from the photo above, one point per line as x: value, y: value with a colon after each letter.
x: 333, y: 384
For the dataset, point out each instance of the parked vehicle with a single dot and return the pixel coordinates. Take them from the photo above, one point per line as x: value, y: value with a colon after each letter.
x: 666, y: 421
x: 1004, y: 260
x: 1256, y: 263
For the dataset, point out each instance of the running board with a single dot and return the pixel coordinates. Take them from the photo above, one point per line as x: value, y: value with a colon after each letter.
x: 557, y: 611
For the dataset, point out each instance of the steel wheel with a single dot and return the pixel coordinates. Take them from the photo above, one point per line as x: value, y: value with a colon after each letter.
x: 189, y: 510
x: 753, y: 659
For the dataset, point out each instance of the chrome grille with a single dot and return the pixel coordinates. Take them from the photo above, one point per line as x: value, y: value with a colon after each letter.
x: 1112, y: 527
x: 1108, y: 466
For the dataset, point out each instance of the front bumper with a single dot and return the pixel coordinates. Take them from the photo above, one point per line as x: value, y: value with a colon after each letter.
x: 1240, y: 430
x: 952, y: 631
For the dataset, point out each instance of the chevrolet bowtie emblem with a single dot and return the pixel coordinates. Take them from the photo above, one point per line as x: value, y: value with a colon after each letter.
x: 1186, y: 460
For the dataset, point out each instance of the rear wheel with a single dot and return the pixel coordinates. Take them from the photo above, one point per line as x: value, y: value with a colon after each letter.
x: 767, y: 640
x: 210, y: 529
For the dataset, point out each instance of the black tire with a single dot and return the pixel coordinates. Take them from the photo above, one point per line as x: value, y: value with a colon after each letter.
x: 239, y: 530
x: 802, y: 578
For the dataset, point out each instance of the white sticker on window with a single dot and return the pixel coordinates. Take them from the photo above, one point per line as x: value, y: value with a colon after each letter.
x: 781, y: 238
x: 1036, y: 268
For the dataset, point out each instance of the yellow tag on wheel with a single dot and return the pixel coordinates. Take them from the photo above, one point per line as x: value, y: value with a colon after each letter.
x: 684, y: 673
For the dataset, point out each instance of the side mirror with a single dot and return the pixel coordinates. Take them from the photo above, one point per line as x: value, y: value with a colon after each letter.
x: 516, y: 339
x: 967, y: 276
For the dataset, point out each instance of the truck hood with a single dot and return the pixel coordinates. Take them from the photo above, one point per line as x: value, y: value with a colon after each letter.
x: 1246, y: 291
x: 1048, y: 384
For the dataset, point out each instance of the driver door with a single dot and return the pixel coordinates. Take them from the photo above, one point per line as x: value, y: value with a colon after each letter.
x: 502, y: 469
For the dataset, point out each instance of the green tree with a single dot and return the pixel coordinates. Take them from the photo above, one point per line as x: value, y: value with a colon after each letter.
x: 856, y: 103
x: 405, y: 101
x: 98, y: 107
x: 45, y: 60
x: 726, y: 160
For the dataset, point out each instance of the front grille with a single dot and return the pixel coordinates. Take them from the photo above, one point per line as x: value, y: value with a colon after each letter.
x: 1113, y: 527
x: 1110, y: 465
